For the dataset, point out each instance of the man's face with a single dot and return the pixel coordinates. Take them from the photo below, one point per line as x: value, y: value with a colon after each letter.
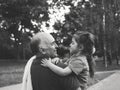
x: 51, y: 49
x: 47, y: 44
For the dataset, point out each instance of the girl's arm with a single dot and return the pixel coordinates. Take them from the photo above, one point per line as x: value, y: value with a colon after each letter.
x: 58, y: 70
x: 56, y: 60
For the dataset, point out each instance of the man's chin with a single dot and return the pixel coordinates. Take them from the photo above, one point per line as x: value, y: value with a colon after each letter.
x: 54, y: 55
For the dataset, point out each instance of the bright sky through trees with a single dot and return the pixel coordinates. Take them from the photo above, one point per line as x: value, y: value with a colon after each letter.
x: 57, y: 13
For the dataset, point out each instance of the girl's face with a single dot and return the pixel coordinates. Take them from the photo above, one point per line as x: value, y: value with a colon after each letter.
x: 73, y: 46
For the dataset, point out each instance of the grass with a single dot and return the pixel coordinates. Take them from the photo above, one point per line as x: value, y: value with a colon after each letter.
x: 12, y: 72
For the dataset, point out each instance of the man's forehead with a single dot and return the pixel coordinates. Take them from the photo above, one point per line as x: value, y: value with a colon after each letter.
x: 44, y: 36
x: 45, y: 39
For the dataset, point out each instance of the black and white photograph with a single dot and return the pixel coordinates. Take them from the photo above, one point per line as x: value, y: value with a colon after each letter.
x: 59, y: 44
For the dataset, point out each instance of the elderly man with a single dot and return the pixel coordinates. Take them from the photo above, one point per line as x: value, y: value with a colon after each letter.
x: 37, y: 77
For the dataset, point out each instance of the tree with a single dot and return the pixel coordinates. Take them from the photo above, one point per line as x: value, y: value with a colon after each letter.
x: 30, y: 16
x: 16, y: 18
x: 98, y: 17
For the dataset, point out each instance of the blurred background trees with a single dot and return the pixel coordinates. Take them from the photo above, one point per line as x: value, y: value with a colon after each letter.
x: 16, y: 25
x: 20, y: 19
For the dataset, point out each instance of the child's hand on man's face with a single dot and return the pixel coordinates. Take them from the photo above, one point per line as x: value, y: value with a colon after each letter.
x: 46, y: 62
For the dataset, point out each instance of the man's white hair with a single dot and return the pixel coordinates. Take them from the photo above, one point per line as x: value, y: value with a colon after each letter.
x: 45, y: 39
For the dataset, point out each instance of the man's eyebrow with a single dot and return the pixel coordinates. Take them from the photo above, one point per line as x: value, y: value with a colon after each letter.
x: 53, y: 42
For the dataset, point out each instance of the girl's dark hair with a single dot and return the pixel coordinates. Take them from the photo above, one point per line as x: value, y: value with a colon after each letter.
x: 87, y: 40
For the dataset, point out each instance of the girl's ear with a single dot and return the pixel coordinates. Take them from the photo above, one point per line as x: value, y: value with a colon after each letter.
x: 87, y: 35
x: 81, y: 47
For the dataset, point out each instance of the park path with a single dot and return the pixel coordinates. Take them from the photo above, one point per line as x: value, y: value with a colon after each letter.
x: 110, y: 83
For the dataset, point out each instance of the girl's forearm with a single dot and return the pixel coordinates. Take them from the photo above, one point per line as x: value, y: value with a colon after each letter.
x: 60, y: 71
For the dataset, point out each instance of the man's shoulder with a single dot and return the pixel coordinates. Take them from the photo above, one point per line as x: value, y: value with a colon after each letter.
x: 31, y: 59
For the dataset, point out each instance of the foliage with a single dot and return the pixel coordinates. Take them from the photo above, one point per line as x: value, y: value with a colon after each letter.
x: 16, y: 18
x: 100, y: 17
x: 19, y: 19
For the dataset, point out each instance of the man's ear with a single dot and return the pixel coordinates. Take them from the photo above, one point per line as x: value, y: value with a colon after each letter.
x: 42, y: 50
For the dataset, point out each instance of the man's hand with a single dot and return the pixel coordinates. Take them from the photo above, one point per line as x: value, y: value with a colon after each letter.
x: 46, y: 62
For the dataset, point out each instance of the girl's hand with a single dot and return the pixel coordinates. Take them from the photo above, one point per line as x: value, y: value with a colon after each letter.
x: 55, y: 60
x: 46, y: 62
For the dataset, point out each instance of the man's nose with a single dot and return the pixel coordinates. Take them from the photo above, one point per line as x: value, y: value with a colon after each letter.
x: 56, y: 45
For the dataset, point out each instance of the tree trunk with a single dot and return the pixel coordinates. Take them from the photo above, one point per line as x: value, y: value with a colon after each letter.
x: 104, y: 35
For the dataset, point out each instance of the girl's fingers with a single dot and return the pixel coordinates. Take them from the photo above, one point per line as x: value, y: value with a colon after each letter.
x: 42, y: 64
x: 49, y: 59
x: 46, y: 59
x: 42, y: 61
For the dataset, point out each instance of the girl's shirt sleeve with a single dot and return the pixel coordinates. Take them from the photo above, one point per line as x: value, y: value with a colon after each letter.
x: 77, y: 66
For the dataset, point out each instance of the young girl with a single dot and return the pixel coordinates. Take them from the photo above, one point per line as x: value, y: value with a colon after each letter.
x: 80, y: 61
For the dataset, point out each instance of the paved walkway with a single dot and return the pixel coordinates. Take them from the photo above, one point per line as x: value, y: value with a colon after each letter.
x: 110, y: 83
